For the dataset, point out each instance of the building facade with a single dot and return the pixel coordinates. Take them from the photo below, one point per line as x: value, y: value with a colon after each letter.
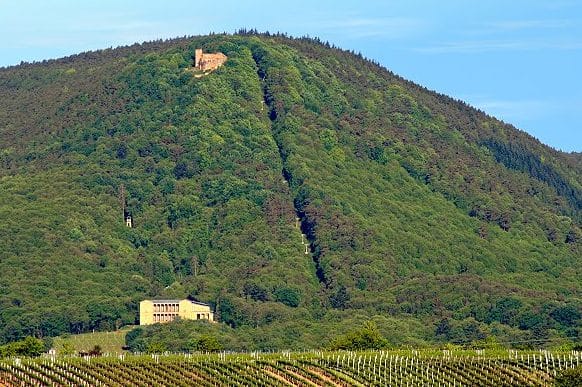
x: 161, y: 311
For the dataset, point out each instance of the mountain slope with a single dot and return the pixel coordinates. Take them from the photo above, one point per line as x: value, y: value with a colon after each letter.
x: 414, y: 206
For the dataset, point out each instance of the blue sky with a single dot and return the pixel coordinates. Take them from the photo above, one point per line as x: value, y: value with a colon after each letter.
x: 518, y: 60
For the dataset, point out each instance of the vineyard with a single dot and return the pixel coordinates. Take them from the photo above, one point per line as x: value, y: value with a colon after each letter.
x: 400, y: 368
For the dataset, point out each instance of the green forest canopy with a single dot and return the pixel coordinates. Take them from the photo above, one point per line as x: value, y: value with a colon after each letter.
x: 419, y: 211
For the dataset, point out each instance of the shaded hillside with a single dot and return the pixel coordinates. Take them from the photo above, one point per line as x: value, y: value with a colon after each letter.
x: 415, y: 207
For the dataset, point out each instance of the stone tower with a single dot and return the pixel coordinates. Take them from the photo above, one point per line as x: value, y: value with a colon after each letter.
x: 197, y: 57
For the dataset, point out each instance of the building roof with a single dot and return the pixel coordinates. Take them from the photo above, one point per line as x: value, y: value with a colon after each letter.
x: 177, y: 302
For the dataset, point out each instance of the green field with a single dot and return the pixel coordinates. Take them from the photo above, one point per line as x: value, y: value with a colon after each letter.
x: 410, y: 367
x: 109, y: 342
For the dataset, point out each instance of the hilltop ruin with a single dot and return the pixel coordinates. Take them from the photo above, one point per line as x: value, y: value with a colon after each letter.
x: 208, y: 62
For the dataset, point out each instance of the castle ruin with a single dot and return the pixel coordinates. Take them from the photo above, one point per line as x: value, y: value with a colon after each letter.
x: 208, y: 62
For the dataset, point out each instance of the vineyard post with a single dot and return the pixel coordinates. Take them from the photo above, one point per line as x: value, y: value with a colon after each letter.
x: 390, y: 369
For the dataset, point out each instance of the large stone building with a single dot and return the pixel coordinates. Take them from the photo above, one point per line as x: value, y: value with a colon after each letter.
x: 208, y: 62
x: 160, y: 311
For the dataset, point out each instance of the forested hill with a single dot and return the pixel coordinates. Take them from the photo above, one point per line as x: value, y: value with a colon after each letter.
x: 432, y: 218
